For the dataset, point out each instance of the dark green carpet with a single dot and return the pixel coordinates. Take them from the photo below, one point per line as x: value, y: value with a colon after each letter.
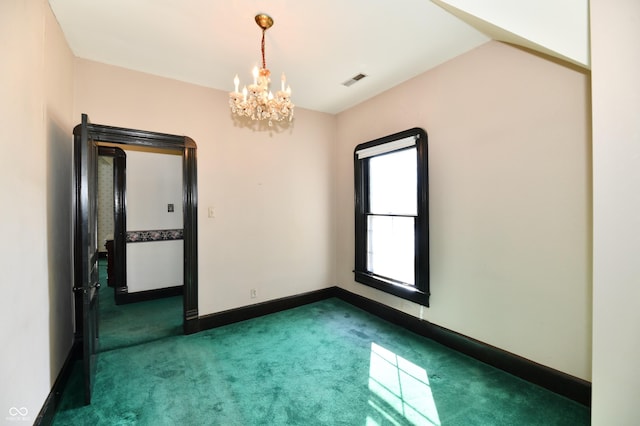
x: 327, y: 363
x: 127, y: 325
x: 122, y: 326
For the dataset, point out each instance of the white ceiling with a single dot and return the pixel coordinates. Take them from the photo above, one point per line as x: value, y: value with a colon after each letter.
x: 318, y: 44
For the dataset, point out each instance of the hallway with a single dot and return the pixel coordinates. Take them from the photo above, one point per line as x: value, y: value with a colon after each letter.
x: 133, y: 324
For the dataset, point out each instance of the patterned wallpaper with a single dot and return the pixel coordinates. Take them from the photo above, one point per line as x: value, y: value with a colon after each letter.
x: 105, y: 200
x: 154, y: 235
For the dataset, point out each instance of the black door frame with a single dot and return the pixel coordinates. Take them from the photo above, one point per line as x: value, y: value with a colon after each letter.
x: 122, y: 136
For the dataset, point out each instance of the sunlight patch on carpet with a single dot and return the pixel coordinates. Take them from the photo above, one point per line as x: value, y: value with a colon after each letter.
x: 400, y: 390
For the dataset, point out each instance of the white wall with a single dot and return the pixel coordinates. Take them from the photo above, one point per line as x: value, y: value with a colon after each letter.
x: 557, y: 28
x: 272, y: 229
x: 35, y: 167
x: 154, y: 180
x: 154, y: 265
x: 509, y: 158
x: 615, y: 30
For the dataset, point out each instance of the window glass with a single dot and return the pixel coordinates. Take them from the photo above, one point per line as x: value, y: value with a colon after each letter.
x: 393, y: 183
x: 390, y: 252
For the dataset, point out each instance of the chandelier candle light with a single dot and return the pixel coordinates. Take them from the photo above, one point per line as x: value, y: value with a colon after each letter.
x: 257, y: 101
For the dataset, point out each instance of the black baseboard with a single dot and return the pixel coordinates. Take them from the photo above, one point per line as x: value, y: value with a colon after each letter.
x: 264, y: 308
x: 123, y: 298
x: 556, y: 381
x: 48, y: 410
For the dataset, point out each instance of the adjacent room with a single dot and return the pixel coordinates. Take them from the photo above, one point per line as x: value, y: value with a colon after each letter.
x: 498, y: 285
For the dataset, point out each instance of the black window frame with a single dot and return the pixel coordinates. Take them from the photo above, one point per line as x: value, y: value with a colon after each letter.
x: 419, y: 292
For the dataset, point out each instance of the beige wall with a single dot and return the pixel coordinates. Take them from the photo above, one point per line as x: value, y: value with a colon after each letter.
x: 58, y: 77
x: 616, y: 194
x: 272, y: 229
x: 509, y: 149
x: 35, y: 269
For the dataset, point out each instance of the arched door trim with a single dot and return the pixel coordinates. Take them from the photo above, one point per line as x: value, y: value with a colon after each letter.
x: 186, y: 145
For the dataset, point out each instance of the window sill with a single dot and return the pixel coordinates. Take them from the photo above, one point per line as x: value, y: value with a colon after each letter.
x: 410, y: 293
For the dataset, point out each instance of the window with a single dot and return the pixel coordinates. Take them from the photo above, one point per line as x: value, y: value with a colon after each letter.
x: 392, y: 215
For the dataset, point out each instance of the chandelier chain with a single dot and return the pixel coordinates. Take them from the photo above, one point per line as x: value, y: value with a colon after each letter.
x: 264, y: 62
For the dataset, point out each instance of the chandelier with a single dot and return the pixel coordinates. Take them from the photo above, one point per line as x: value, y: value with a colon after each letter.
x: 257, y: 101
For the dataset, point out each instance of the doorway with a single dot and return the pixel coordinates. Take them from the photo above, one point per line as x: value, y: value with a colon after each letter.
x: 112, y: 215
x: 141, y: 263
x: 113, y: 137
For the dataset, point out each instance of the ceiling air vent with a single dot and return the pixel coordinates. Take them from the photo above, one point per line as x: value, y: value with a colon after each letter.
x: 353, y: 80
